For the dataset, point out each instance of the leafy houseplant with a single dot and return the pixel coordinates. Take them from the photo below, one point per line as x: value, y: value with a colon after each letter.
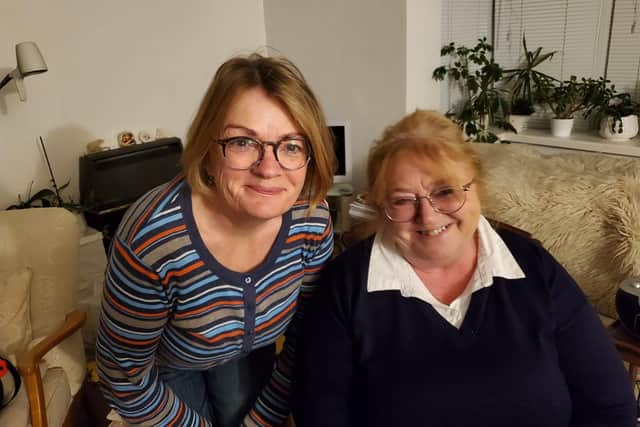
x: 569, y: 97
x: 483, y: 103
x: 521, y: 106
x: 525, y: 81
x: 611, y: 109
x: 566, y: 100
x: 618, y: 120
x: 46, y: 198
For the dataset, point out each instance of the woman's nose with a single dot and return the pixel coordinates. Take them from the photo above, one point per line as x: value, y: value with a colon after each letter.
x: 268, y: 166
x: 425, y: 211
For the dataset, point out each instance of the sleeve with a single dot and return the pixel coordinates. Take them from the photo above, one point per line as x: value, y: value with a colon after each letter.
x: 273, y: 403
x: 601, y: 393
x: 324, y: 371
x: 134, y: 312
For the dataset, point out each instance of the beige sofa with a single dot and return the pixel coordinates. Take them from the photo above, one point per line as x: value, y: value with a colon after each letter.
x: 39, y: 326
x: 583, y: 207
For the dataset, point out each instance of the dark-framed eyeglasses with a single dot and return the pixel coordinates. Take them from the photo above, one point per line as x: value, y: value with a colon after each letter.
x: 445, y: 200
x: 244, y: 152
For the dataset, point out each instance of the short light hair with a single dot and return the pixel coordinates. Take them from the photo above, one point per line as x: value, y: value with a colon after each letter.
x: 428, y: 135
x: 282, y: 81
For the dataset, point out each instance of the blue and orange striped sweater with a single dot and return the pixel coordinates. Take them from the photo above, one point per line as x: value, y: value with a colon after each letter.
x: 168, y: 302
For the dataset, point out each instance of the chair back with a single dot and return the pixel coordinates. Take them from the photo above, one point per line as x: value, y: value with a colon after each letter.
x: 46, y: 240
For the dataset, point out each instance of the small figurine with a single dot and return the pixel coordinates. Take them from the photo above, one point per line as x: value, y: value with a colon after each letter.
x: 95, y: 146
x: 126, y: 138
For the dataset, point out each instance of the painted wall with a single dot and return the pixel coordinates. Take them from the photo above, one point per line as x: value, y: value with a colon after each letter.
x: 423, y: 53
x: 353, y: 55
x: 113, y: 65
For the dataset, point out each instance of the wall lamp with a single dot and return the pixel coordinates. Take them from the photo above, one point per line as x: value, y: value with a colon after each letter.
x: 30, y: 61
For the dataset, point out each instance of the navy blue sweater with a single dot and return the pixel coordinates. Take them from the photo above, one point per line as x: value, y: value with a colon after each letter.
x: 530, y: 352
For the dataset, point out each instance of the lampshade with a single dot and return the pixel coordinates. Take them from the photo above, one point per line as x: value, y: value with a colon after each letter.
x: 30, y: 60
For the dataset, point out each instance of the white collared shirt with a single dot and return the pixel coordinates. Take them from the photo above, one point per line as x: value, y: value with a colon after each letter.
x: 388, y: 270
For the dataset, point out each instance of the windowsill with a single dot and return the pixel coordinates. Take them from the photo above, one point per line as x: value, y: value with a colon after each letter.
x: 577, y: 141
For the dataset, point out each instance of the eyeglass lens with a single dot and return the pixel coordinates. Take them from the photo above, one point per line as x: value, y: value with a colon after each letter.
x: 243, y: 152
x: 444, y: 200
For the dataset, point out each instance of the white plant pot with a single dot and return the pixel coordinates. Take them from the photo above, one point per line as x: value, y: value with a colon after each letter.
x: 561, y: 128
x: 519, y: 121
x: 629, y: 128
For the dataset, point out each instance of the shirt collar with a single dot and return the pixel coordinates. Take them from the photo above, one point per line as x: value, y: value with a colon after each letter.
x: 388, y: 270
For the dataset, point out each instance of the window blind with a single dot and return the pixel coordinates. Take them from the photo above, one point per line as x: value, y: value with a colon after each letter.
x: 624, y: 54
x: 591, y: 38
x: 463, y: 22
x: 577, y: 30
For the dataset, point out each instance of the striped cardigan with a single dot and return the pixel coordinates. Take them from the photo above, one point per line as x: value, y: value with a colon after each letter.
x: 168, y: 302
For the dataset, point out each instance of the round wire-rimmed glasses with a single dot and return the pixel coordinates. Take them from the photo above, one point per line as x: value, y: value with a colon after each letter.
x: 445, y: 200
x: 244, y: 152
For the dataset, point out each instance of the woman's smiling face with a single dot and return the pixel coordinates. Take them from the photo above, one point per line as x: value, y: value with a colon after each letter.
x: 431, y: 238
x: 265, y: 190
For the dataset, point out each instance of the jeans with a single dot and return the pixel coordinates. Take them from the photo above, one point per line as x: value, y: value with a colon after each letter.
x: 225, y: 393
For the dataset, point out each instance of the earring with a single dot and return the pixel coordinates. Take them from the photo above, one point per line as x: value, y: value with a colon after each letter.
x: 208, y: 179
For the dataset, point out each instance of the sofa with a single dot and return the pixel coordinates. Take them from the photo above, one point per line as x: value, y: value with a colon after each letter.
x: 583, y: 207
x: 39, y: 321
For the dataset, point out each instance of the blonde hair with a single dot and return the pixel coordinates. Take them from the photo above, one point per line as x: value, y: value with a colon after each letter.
x: 428, y: 135
x: 282, y: 81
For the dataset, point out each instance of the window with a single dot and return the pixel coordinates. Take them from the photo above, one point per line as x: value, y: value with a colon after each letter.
x: 463, y: 22
x: 592, y: 38
x: 623, y: 65
x: 575, y: 29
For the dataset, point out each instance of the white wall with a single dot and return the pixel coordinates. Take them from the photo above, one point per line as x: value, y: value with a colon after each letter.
x: 113, y: 65
x: 353, y: 55
x: 423, y: 53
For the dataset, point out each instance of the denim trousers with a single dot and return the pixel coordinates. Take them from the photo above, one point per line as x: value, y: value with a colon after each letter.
x: 225, y: 393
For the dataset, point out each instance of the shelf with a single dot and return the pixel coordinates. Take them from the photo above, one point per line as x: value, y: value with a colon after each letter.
x: 577, y: 141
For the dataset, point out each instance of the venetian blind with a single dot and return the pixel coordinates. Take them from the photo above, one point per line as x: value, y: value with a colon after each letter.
x: 624, y: 54
x: 577, y: 30
x: 463, y: 22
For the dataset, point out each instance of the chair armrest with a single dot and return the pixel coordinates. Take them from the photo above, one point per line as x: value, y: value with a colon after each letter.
x: 29, y: 361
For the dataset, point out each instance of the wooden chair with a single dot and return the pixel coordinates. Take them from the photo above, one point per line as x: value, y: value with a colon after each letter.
x: 45, y: 243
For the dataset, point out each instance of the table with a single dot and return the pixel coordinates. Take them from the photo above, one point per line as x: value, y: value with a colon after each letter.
x: 628, y: 347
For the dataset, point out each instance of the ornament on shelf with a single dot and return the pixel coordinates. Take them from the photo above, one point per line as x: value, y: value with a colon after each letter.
x: 145, y: 136
x: 126, y: 138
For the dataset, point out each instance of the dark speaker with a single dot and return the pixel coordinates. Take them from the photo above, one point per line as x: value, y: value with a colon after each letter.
x: 628, y: 306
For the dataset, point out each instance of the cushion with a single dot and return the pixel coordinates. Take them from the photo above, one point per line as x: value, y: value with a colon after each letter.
x: 15, y: 321
x: 68, y: 355
x: 16, y: 413
x: 57, y: 396
x: 57, y: 399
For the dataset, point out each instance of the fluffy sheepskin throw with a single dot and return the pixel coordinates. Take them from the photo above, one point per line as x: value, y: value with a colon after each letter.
x: 584, y: 208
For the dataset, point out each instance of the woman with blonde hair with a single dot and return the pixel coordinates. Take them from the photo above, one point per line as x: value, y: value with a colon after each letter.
x: 206, y: 271
x: 441, y: 320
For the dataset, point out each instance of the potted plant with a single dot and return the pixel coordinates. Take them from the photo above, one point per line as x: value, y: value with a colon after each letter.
x: 614, y: 113
x: 46, y: 198
x: 565, y: 100
x: 525, y: 82
x: 483, y: 103
x: 619, y: 119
